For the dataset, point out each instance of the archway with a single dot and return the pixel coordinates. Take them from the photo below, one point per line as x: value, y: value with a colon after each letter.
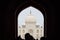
x: 35, y: 5
x: 31, y: 20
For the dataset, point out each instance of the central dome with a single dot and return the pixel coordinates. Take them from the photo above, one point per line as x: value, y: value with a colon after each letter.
x: 30, y: 18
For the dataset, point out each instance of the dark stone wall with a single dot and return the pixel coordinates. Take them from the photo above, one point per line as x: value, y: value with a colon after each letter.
x: 8, y: 9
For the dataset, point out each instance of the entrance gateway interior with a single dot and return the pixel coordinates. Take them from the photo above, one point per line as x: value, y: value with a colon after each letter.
x: 31, y: 20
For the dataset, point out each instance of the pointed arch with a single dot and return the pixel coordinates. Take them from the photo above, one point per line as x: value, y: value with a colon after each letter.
x: 35, y: 5
x: 35, y: 12
x: 33, y: 15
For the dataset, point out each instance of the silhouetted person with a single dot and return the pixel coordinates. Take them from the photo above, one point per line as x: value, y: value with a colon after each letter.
x: 28, y: 37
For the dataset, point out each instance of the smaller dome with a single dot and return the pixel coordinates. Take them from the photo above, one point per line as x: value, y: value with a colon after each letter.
x: 30, y: 18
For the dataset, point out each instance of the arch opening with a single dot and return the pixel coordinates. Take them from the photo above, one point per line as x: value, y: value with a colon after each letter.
x: 31, y: 20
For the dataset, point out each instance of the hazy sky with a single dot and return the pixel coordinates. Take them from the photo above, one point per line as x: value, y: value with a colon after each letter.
x: 35, y: 12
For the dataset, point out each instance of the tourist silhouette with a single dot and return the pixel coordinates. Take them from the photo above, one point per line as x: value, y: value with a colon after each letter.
x: 28, y: 37
x: 36, y: 39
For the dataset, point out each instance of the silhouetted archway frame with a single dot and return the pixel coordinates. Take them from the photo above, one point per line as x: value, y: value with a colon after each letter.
x: 35, y: 5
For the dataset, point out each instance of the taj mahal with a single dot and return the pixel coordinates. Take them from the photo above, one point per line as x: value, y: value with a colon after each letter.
x: 30, y: 27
